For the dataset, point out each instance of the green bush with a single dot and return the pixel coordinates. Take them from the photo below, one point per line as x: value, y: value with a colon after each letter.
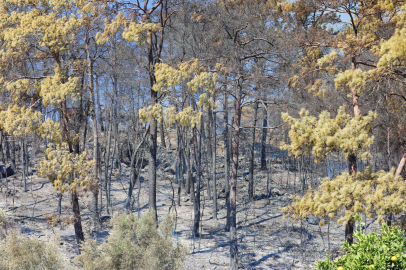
x: 372, y: 251
x: 135, y: 244
x: 3, y: 224
x: 19, y: 252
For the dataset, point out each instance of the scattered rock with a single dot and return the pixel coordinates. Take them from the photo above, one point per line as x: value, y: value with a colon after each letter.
x: 260, y: 197
x: 104, y: 219
x: 222, y: 195
x: 12, y: 192
x: 6, y: 170
x: 185, y: 199
x: 275, y: 192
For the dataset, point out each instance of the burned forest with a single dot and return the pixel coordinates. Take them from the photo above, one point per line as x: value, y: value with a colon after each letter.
x: 223, y: 134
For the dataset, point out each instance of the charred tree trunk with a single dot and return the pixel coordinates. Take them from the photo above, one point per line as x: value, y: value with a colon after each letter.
x: 263, y: 141
x: 196, y: 202
x: 226, y: 159
x: 233, y: 184
x: 96, y: 151
x: 162, y: 133
x: 252, y: 157
x: 352, y: 159
x: 106, y: 166
x: 24, y: 163
x: 153, y: 128
x: 77, y: 221
x: 213, y: 166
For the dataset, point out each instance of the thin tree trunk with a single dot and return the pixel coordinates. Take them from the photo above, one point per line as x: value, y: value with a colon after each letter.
x: 106, y: 166
x: 59, y: 207
x: 189, y: 180
x: 263, y: 139
x: 213, y: 166
x: 226, y: 159
x: 162, y: 133
x: 252, y: 157
x: 24, y: 159
x: 178, y: 165
x: 196, y: 201
x: 13, y: 151
x: 77, y: 221
x: 233, y: 184
x: 400, y: 166
x: 1, y: 147
x: 209, y: 150
x: 96, y: 151
x: 352, y: 159
x: 152, y: 160
x: 8, y: 156
x: 112, y: 164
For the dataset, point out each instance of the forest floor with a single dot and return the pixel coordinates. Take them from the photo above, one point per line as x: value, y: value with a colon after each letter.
x: 265, y: 239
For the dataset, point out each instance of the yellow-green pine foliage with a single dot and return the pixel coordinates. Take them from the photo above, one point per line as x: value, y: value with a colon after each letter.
x: 54, y: 90
x: 375, y: 194
x: 51, y: 130
x: 196, y: 77
x: 21, y: 252
x: 370, y: 20
x: 325, y: 134
x: 130, y: 30
x: 135, y: 243
x: 41, y: 30
x: 20, y: 121
x: 392, y: 51
x: 67, y: 171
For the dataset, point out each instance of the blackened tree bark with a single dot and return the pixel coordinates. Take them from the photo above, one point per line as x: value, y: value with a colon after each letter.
x: 226, y: 158
x: 197, y: 145
x: 263, y: 140
x: 234, y: 171
x: 352, y: 158
x: 252, y: 157
x: 96, y: 151
x: 77, y: 221
x: 213, y: 166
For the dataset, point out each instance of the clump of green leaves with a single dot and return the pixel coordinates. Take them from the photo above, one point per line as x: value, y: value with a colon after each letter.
x: 19, y: 252
x: 135, y: 243
x: 367, y: 192
x: 372, y: 251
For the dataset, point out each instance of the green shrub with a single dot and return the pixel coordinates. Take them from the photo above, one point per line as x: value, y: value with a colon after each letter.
x: 19, y: 252
x: 135, y: 244
x: 3, y: 224
x: 372, y: 251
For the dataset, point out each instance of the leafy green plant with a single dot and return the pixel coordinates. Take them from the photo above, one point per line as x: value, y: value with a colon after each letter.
x: 19, y: 252
x: 135, y: 244
x: 371, y: 251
